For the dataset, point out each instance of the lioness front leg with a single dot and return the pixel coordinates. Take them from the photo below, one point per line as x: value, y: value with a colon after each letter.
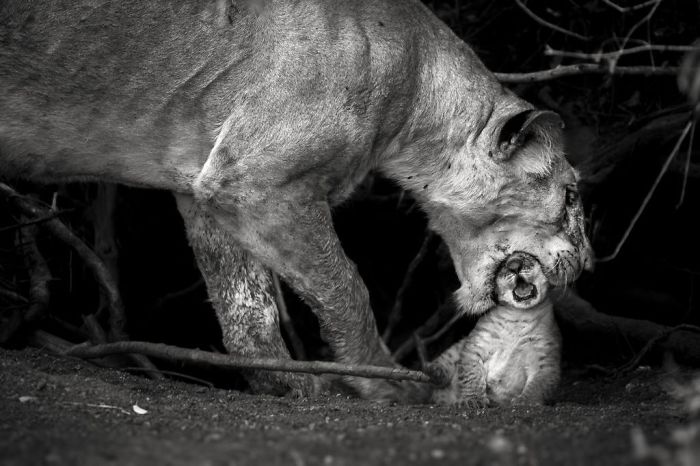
x: 240, y: 290
x: 295, y: 237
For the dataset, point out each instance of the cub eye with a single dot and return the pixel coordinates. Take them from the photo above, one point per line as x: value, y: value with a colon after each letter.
x: 571, y: 196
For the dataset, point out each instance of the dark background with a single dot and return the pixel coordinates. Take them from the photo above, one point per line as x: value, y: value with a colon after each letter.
x: 655, y: 277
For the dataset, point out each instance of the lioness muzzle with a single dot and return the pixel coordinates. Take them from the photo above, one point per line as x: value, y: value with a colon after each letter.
x: 261, y: 117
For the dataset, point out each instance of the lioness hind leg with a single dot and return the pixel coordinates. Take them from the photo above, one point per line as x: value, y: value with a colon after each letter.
x: 241, y: 292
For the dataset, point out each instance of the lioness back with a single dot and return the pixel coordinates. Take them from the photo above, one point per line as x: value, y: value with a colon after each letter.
x: 137, y: 92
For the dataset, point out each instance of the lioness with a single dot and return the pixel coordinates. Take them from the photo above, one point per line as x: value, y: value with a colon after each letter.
x: 262, y: 116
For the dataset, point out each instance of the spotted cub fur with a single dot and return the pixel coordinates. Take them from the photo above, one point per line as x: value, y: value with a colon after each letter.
x: 513, y: 353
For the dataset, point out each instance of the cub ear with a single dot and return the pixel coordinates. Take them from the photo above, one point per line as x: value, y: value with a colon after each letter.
x: 520, y: 127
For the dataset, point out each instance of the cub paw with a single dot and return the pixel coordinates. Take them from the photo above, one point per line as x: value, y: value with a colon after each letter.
x: 473, y: 403
x: 439, y: 375
x: 528, y: 400
x: 390, y: 391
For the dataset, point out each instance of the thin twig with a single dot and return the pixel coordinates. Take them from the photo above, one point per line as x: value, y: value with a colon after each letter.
x: 45, y: 340
x: 173, y: 374
x: 442, y: 330
x: 646, y: 200
x: 645, y: 19
x: 546, y: 23
x: 445, y: 313
x: 585, y: 68
x: 96, y: 405
x: 598, y: 56
x: 395, y: 314
x: 686, y: 168
x: 179, y: 293
x: 39, y: 277
x: 94, y: 329
x: 623, y: 9
x: 294, y: 340
x: 14, y: 296
x: 35, y: 221
x: 194, y: 356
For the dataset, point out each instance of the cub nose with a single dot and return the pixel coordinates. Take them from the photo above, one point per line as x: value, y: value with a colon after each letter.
x: 515, y: 265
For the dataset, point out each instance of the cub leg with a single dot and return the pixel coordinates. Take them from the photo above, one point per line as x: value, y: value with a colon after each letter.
x: 540, y: 386
x: 241, y: 292
x: 471, y: 381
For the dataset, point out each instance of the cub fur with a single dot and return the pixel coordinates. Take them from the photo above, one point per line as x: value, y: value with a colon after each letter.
x: 513, y: 353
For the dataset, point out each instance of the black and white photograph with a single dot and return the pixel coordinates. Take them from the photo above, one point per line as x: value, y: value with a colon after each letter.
x: 349, y: 232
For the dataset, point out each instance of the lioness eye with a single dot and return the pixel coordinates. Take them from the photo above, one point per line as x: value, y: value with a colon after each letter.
x: 571, y: 196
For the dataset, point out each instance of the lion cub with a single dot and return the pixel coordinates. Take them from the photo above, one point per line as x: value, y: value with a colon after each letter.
x: 513, y: 353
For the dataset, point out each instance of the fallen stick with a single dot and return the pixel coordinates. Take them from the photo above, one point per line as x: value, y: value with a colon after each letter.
x: 194, y: 356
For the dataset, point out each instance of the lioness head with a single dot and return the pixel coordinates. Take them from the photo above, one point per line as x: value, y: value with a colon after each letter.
x: 504, y: 185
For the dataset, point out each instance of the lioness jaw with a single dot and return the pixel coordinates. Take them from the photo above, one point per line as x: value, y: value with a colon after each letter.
x: 269, y: 115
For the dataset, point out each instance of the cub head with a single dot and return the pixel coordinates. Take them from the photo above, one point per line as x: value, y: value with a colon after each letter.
x: 507, y: 187
x: 520, y: 282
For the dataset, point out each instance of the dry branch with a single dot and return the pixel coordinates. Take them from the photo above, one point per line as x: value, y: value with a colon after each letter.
x: 193, y: 356
x: 46, y: 340
x: 39, y: 277
x: 598, y: 56
x: 547, y: 24
x: 649, y: 195
x: 622, y: 9
x: 645, y: 19
x: 395, y: 314
x: 585, y: 68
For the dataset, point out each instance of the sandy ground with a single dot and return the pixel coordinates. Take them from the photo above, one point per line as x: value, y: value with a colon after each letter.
x: 59, y: 411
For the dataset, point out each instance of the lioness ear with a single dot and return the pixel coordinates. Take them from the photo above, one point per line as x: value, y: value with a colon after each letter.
x: 520, y: 127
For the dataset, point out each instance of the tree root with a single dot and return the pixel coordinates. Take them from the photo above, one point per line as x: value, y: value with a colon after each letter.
x: 681, y: 341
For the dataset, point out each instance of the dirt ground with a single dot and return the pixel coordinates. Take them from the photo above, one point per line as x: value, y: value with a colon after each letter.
x: 57, y: 411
